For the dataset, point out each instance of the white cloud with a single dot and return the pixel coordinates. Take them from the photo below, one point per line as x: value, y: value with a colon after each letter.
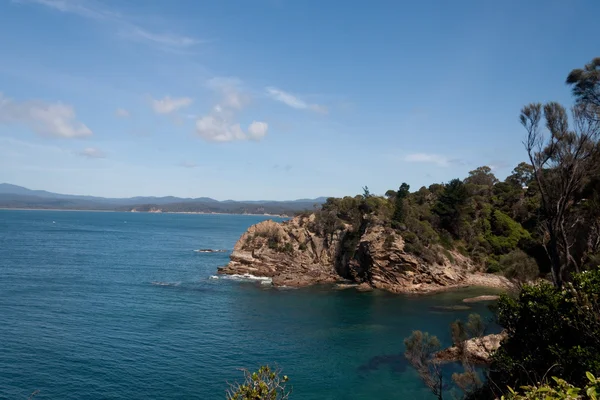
x: 48, y: 119
x: 164, y: 39
x: 428, y: 158
x: 92, y: 152
x: 168, y: 104
x: 257, y: 130
x: 215, y: 128
x: 294, y: 101
x: 188, y: 164
x: 231, y: 92
x: 122, y: 113
x: 220, y: 124
x: 93, y: 10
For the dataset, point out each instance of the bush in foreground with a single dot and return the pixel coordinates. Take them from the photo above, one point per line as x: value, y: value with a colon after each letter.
x: 265, y: 384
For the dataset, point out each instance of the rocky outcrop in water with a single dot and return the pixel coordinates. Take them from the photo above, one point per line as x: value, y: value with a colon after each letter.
x: 476, y: 350
x: 294, y: 253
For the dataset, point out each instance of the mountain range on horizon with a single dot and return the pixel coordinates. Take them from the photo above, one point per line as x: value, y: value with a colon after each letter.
x: 14, y: 196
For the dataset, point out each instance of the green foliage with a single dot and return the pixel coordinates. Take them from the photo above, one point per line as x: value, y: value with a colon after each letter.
x: 504, y: 234
x: 549, y: 331
x: 450, y: 205
x: 264, y: 384
x: 302, y: 247
x: 399, y: 208
x: 518, y: 266
x: 475, y: 327
x: 586, y: 86
x: 449, y: 256
x: 389, y: 241
x: 287, y: 248
x: 521, y: 176
x: 482, y: 176
x: 558, y: 389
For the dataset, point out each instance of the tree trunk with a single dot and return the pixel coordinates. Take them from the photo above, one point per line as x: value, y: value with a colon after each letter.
x: 556, y: 265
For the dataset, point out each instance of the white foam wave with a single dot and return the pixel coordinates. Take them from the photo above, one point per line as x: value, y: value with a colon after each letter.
x: 210, y: 251
x: 264, y: 280
x: 160, y: 283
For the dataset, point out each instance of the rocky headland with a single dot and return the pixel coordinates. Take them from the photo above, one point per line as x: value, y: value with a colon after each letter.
x: 299, y: 252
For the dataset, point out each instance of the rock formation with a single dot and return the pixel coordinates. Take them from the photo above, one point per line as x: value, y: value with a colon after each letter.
x: 295, y: 253
x: 477, y: 350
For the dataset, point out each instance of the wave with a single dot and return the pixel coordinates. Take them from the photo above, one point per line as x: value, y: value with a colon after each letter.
x: 160, y: 283
x: 264, y: 280
x: 210, y: 251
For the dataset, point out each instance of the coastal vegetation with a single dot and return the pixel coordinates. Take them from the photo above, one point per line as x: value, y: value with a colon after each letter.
x: 539, y: 227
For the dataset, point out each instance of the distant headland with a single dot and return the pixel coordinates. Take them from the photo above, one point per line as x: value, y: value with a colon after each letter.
x: 18, y: 197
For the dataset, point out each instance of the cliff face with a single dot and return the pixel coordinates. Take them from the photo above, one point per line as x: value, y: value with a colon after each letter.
x: 292, y: 253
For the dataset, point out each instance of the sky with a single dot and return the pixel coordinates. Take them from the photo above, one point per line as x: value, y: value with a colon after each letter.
x: 275, y: 99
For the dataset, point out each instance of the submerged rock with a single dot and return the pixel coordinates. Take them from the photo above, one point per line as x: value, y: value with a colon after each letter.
x: 294, y: 253
x: 458, y: 307
x: 481, y: 298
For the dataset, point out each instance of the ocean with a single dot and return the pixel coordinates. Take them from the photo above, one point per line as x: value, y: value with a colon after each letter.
x: 103, y: 305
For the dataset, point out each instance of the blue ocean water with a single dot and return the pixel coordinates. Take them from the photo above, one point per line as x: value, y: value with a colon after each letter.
x: 118, y: 306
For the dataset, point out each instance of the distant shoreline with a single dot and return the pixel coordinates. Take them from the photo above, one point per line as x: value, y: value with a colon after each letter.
x: 143, y: 212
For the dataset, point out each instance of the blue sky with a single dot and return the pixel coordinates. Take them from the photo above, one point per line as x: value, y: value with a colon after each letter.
x: 275, y: 99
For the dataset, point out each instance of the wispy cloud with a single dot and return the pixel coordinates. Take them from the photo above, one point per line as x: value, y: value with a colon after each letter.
x: 220, y: 124
x: 168, y: 104
x: 164, y: 39
x: 188, y: 164
x: 286, y: 168
x: 122, y: 113
x: 94, y: 10
x: 47, y: 119
x: 436, y: 159
x: 92, y: 152
x: 294, y: 101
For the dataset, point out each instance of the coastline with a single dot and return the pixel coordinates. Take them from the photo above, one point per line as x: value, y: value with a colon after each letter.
x: 142, y: 212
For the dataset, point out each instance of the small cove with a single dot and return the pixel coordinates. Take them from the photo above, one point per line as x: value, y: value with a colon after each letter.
x: 118, y: 305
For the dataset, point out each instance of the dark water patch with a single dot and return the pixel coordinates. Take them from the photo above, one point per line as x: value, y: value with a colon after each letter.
x: 397, y: 363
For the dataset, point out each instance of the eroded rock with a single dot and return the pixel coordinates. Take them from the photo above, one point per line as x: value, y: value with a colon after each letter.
x: 294, y: 254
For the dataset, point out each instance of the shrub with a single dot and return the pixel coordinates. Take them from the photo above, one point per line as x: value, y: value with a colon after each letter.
x: 389, y: 241
x: 550, y: 331
x: 264, y: 384
x: 449, y: 256
x: 518, y: 266
x: 504, y: 234
x: 560, y: 389
x: 492, y: 266
x: 302, y: 247
x: 287, y: 248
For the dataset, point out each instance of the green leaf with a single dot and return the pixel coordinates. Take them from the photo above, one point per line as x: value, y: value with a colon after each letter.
x: 590, y: 376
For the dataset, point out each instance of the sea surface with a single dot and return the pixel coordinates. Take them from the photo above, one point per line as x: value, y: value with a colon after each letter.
x: 102, y: 305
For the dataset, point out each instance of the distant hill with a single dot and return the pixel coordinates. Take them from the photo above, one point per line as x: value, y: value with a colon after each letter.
x: 13, y: 196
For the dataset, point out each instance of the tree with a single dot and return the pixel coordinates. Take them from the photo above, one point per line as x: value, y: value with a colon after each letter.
x: 399, y: 209
x: 561, y: 165
x: 420, y: 349
x: 522, y: 175
x: 586, y: 88
x: 366, y: 192
x: 450, y: 205
x: 482, y: 176
x: 264, y: 384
